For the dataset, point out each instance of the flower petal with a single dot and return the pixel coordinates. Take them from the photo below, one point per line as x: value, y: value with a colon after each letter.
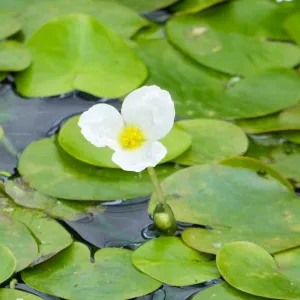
x: 101, y: 125
x: 149, y: 155
x: 151, y: 109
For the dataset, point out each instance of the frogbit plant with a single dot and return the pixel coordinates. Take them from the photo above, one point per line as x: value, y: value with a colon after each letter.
x: 147, y: 115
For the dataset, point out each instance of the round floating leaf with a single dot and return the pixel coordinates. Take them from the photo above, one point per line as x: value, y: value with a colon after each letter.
x: 155, y: 31
x: 216, y: 96
x: 9, y: 25
x: 13, y: 56
x: 256, y: 18
x: 257, y: 166
x: 288, y: 119
x: 60, y: 209
x: 8, y: 264
x: 225, y: 292
x: 50, y: 235
x: 71, y: 275
x: 146, y: 5
x: 14, y: 6
x: 236, y: 203
x: 286, y: 161
x: 18, y: 239
x: 8, y: 294
x: 193, y: 6
x: 293, y: 136
x: 169, y: 260
x: 84, y: 55
x: 292, y: 25
x: 253, y: 270
x: 50, y: 170
x: 2, y: 76
x: 114, y: 15
x: 229, y: 52
x: 212, y: 141
x: 73, y: 142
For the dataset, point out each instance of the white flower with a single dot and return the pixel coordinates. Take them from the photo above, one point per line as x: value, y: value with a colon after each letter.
x: 147, y: 115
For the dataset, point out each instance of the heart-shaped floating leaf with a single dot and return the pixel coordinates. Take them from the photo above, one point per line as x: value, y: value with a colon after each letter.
x: 146, y: 5
x: 71, y: 275
x: 8, y: 264
x: 74, y: 143
x: 50, y: 170
x: 9, y: 25
x: 8, y: 294
x: 169, y: 260
x: 256, y: 18
x: 293, y: 136
x: 229, y: 52
x: 88, y: 57
x: 18, y: 239
x: 193, y: 6
x: 2, y: 76
x: 287, y: 119
x: 292, y: 26
x: 60, y: 209
x: 286, y: 161
x: 114, y: 15
x: 217, y: 96
x: 258, y: 166
x: 224, y: 292
x: 13, y: 56
x: 51, y: 236
x: 212, y: 141
x: 253, y: 270
x: 264, y: 212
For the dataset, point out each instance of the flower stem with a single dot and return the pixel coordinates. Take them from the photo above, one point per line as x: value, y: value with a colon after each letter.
x: 156, y: 186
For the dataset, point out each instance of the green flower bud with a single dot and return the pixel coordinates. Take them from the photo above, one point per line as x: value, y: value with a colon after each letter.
x: 164, y: 219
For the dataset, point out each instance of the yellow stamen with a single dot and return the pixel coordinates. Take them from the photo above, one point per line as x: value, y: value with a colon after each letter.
x: 131, y: 137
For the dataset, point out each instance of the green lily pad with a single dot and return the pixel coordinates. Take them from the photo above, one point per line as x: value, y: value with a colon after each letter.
x: 292, y: 25
x: 225, y: 292
x: 287, y: 119
x: 212, y: 141
x: 9, y: 25
x: 71, y: 275
x: 8, y: 294
x: 13, y: 56
x: 229, y: 52
x: 2, y: 76
x: 8, y: 264
x: 74, y: 143
x: 146, y: 5
x: 253, y: 18
x: 286, y: 161
x: 257, y: 166
x: 218, y: 196
x: 114, y: 15
x: 253, y: 270
x: 50, y: 170
x: 18, y: 239
x: 193, y: 6
x: 293, y: 136
x: 98, y: 68
x: 154, y: 31
x: 169, y: 260
x: 25, y: 196
x: 14, y: 6
x: 217, y: 96
x: 49, y: 234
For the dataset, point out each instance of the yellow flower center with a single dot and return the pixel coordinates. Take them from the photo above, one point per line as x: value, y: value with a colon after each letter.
x: 131, y: 137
